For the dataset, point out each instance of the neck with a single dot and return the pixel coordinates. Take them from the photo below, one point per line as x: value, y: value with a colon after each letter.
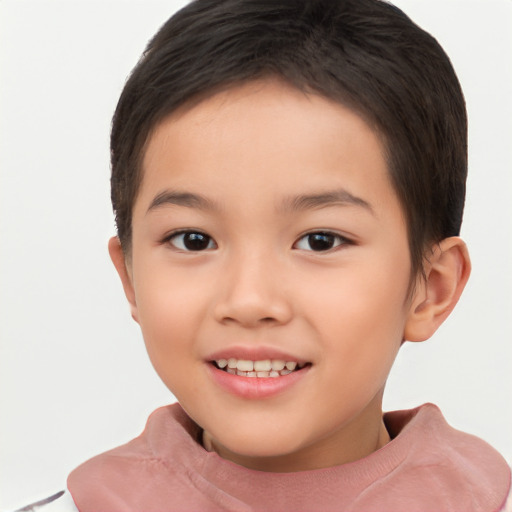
x: 362, y: 436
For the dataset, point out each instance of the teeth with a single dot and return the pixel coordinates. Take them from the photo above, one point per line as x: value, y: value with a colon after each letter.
x: 278, y: 365
x: 264, y: 368
x: 245, y: 366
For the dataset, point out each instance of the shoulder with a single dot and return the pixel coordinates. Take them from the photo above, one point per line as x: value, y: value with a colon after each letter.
x: 152, y: 468
x: 169, y: 436
x: 465, y: 471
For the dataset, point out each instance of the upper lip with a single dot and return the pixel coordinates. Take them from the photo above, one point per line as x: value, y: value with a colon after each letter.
x: 257, y: 353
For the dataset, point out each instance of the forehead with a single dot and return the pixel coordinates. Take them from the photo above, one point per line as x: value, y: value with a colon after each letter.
x: 263, y: 137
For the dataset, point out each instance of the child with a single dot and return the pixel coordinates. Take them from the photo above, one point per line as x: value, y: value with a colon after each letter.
x: 288, y: 180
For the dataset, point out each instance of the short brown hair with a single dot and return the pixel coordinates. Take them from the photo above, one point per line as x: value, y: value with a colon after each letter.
x: 365, y: 54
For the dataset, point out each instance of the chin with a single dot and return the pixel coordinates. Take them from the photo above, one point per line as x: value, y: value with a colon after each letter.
x: 259, y: 443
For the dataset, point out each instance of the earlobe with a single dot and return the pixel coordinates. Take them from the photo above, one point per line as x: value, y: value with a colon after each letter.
x: 446, y: 274
x: 119, y: 260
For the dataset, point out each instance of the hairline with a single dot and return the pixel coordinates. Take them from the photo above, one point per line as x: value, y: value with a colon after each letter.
x: 343, y: 99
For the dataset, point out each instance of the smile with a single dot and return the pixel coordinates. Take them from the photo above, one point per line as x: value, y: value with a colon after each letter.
x: 266, y: 368
x: 270, y: 377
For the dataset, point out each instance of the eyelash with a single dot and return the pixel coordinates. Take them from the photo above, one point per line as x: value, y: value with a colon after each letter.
x: 337, y: 238
x: 202, y: 239
x: 173, y: 236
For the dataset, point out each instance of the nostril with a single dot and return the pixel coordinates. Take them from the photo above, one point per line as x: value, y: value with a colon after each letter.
x: 249, y: 321
x: 247, y: 305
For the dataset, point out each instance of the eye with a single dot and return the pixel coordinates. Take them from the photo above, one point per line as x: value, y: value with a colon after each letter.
x: 191, y: 241
x: 320, y: 241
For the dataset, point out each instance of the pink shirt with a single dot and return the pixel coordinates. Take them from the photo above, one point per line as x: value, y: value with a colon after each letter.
x: 428, y: 466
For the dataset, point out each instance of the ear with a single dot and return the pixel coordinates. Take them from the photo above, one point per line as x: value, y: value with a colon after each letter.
x: 436, y: 294
x: 119, y: 260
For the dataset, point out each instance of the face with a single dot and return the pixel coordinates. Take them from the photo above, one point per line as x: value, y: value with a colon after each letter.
x: 269, y: 274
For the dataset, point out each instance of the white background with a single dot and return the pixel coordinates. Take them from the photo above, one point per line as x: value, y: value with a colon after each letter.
x: 74, y: 376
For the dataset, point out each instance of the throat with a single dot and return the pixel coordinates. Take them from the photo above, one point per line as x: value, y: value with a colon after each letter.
x: 310, y: 458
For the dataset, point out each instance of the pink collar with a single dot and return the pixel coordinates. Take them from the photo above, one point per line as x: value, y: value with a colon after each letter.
x: 427, y: 466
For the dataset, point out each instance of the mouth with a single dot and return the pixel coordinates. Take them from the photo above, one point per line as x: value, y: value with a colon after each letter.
x: 265, y: 368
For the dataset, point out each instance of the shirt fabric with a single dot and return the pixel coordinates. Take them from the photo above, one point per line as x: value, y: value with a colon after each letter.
x: 428, y: 466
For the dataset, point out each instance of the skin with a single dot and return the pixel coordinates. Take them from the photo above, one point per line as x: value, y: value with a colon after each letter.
x: 249, y: 151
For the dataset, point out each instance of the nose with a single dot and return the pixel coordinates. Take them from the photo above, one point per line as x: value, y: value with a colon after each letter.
x: 252, y: 294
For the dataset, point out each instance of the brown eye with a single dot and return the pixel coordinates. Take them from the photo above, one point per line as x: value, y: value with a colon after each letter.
x: 192, y: 241
x: 320, y: 241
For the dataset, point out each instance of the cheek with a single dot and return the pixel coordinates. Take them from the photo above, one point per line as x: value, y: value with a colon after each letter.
x: 374, y: 291
x: 360, y: 338
x: 169, y: 309
x: 361, y: 314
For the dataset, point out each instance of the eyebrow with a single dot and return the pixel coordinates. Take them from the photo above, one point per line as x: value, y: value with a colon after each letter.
x: 338, y: 197
x: 186, y: 199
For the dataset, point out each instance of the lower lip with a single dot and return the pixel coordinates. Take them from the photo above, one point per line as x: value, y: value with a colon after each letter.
x: 256, y: 387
